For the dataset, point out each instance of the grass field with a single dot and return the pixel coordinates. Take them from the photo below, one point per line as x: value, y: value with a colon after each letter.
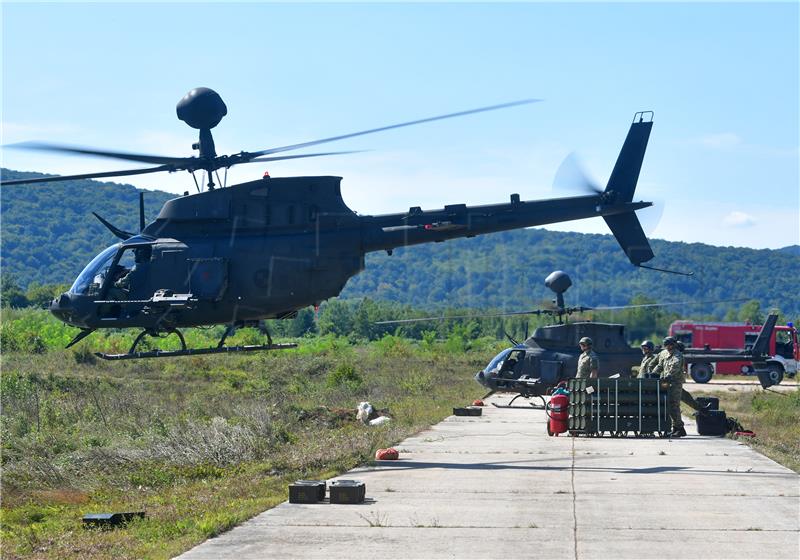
x: 199, y: 443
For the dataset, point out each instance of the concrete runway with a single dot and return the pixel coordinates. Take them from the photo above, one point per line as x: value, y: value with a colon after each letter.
x: 497, y: 486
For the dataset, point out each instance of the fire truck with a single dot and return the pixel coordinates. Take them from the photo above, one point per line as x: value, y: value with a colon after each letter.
x: 784, y: 351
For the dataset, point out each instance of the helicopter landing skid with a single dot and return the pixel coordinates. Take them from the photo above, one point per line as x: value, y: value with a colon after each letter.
x: 194, y: 351
x: 184, y: 351
x: 531, y: 407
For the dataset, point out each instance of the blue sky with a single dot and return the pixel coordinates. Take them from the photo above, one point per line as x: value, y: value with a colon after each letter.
x: 722, y: 79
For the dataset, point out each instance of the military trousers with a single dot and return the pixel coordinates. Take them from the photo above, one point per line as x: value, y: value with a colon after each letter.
x: 674, y: 395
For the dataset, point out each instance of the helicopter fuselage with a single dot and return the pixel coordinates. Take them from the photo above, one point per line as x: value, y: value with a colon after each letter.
x: 270, y: 247
x: 551, y: 356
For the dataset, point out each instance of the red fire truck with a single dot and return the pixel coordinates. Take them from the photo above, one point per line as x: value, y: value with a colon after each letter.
x: 783, y: 347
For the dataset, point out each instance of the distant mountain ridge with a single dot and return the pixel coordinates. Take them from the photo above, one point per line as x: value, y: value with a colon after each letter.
x: 48, y: 236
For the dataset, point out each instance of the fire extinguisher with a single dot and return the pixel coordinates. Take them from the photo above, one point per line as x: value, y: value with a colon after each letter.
x: 557, y: 411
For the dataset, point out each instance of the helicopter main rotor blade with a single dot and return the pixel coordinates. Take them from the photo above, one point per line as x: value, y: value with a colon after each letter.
x: 279, y: 158
x: 143, y: 158
x: 89, y: 175
x: 482, y: 316
x: 392, y: 126
x: 643, y: 305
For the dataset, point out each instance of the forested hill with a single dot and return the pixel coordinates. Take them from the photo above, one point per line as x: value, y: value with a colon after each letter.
x: 49, y: 234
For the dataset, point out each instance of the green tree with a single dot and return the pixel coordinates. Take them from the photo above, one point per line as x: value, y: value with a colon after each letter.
x: 303, y: 323
x: 40, y: 295
x: 751, y: 311
x: 336, y: 317
x: 11, y: 295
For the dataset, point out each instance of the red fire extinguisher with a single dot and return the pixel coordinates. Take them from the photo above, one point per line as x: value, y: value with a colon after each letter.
x: 558, y: 413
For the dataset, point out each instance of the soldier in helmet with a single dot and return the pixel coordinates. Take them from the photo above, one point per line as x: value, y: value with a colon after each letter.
x: 649, y: 359
x: 670, y: 367
x: 588, y: 362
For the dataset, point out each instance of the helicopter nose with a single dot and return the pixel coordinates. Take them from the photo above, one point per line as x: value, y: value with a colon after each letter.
x: 479, y: 377
x: 61, y: 307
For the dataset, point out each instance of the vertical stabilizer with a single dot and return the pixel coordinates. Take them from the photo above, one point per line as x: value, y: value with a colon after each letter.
x: 761, y: 345
x: 629, y: 162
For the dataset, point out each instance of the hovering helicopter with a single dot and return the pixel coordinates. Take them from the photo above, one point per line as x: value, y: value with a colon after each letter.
x: 267, y: 248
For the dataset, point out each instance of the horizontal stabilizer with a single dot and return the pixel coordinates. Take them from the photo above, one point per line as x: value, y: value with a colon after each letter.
x: 630, y: 236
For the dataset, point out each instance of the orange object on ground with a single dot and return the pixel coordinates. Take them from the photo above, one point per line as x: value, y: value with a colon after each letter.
x: 477, y: 402
x: 390, y: 454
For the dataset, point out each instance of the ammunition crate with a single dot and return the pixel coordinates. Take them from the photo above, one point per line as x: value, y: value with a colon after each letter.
x: 712, y: 423
x: 347, y: 492
x: 307, y: 491
x: 468, y: 411
x: 618, y: 406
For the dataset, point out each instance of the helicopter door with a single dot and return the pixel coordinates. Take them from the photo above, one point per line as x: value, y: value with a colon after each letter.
x: 170, y: 270
x: 551, y: 371
x: 208, y: 277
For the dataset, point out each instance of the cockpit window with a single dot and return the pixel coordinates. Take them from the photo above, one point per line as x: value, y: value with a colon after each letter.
x: 92, y: 277
x: 494, y: 365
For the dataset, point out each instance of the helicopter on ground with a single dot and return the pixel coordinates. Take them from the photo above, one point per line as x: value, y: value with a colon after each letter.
x: 550, y: 356
x: 267, y: 248
x: 534, y: 367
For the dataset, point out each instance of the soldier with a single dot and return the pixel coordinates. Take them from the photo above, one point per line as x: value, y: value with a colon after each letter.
x: 649, y: 359
x: 670, y: 366
x: 588, y: 362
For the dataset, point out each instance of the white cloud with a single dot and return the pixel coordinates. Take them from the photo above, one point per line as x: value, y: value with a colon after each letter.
x: 739, y: 220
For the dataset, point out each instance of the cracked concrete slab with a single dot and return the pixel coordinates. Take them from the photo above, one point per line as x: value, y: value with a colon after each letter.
x: 497, y: 486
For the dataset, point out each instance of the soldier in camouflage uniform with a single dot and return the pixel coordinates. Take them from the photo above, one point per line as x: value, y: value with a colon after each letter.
x: 670, y: 366
x: 588, y: 362
x: 649, y: 359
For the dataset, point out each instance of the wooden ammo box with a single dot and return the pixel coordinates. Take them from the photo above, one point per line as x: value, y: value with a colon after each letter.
x: 468, y: 411
x: 347, y: 492
x: 307, y: 491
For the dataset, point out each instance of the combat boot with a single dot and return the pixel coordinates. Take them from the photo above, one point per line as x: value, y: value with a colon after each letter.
x: 678, y: 432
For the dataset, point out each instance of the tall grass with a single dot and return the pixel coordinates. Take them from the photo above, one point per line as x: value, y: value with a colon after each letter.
x: 200, y: 443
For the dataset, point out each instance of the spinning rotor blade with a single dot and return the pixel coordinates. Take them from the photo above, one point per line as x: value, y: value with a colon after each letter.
x: 571, y: 177
x: 143, y: 158
x: 90, y: 175
x: 643, y: 305
x: 483, y: 316
x: 391, y: 126
x: 650, y: 217
x: 279, y: 158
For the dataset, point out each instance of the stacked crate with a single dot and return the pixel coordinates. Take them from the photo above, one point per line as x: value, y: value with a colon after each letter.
x: 618, y: 407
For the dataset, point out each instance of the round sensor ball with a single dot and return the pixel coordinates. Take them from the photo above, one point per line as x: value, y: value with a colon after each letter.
x: 201, y: 108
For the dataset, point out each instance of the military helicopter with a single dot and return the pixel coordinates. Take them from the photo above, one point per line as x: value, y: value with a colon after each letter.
x: 550, y: 356
x: 267, y: 248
